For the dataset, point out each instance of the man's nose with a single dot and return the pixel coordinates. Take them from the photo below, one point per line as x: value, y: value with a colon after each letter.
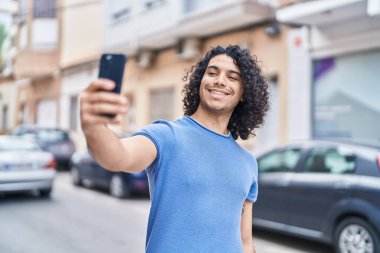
x: 220, y: 80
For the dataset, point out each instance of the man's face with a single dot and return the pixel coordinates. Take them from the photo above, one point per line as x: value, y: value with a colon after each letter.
x: 221, y: 86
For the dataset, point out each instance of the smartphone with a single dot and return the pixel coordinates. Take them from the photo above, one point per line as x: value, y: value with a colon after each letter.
x: 111, y: 67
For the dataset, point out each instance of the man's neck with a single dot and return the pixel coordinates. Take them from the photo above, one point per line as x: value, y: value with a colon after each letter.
x: 215, y: 122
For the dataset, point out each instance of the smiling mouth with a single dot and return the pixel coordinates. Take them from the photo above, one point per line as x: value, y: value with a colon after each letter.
x: 218, y: 92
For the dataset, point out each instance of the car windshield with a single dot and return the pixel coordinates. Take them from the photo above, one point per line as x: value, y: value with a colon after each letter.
x: 51, y: 135
x: 17, y: 144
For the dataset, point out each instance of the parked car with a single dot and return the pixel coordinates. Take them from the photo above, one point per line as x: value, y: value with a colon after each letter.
x: 53, y: 140
x: 85, y: 168
x: 322, y: 190
x: 25, y: 167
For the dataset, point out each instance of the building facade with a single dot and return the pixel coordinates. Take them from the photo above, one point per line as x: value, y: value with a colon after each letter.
x: 163, y: 39
x: 57, y: 54
x: 334, y: 62
x: 81, y: 46
x: 8, y: 31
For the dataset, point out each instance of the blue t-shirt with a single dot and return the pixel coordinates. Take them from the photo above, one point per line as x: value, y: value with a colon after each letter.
x: 198, y: 184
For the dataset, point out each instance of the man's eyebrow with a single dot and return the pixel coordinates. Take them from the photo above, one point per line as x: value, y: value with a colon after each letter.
x: 231, y: 71
x: 213, y: 67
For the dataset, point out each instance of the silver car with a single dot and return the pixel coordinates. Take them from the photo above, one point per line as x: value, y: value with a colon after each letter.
x: 25, y: 167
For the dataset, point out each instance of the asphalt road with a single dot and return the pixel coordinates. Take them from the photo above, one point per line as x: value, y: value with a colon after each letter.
x: 81, y: 220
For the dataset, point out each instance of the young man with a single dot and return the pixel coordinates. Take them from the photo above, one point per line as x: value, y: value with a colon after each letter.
x: 202, y: 183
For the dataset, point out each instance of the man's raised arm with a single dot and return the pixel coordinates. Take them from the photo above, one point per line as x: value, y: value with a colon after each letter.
x: 129, y: 154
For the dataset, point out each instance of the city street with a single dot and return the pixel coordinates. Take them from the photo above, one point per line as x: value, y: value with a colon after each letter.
x: 81, y: 220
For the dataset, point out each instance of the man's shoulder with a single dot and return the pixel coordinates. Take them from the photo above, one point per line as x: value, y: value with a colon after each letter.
x: 161, y: 126
x: 245, y: 152
x: 166, y: 124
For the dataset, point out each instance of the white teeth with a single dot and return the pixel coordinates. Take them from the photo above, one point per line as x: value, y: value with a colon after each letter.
x: 217, y: 92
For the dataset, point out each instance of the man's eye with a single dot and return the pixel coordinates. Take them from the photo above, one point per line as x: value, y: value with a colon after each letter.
x: 211, y: 74
x: 233, y: 78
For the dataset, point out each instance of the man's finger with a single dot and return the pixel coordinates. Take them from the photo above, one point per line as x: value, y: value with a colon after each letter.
x: 105, y: 96
x: 104, y: 108
x: 100, y: 84
x: 98, y: 119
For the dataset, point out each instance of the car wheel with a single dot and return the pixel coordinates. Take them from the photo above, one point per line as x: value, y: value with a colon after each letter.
x: 356, y: 235
x: 75, y: 176
x: 117, y: 187
x: 45, y: 193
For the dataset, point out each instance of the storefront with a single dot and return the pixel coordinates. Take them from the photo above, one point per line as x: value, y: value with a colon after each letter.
x: 334, y: 63
x: 346, y: 96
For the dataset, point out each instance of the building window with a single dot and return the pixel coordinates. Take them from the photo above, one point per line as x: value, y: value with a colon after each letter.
x: 44, y: 9
x: 44, y: 29
x: 73, y: 113
x: 346, y: 90
x: 25, y: 114
x: 161, y: 104
x: 4, y: 124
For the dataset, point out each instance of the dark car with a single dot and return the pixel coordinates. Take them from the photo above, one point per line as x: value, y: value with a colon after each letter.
x: 327, y: 191
x: 120, y: 184
x: 53, y: 140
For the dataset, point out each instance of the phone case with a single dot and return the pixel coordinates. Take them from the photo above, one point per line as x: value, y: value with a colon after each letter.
x: 112, y: 67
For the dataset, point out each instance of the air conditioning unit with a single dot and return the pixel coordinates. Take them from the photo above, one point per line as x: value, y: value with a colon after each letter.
x: 188, y: 48
x: 145, y: 58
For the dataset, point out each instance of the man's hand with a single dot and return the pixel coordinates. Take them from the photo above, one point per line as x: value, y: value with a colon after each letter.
x: 97, y: 100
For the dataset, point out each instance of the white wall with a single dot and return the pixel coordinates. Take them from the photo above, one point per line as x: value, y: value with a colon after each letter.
x: 131, y: 31
x: 299, y: 85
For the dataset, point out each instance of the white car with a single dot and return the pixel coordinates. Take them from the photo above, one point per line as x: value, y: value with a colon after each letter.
x: 25, y: 167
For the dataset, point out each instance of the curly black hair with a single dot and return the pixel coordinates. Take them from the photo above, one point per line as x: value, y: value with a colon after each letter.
x: 249, y: 113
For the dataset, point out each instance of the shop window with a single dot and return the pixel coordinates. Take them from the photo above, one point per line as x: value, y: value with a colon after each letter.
x: 345, y: 95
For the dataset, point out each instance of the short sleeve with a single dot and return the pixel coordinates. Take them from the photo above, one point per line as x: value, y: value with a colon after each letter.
x: 161, y: 134
x: 254, y: 190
